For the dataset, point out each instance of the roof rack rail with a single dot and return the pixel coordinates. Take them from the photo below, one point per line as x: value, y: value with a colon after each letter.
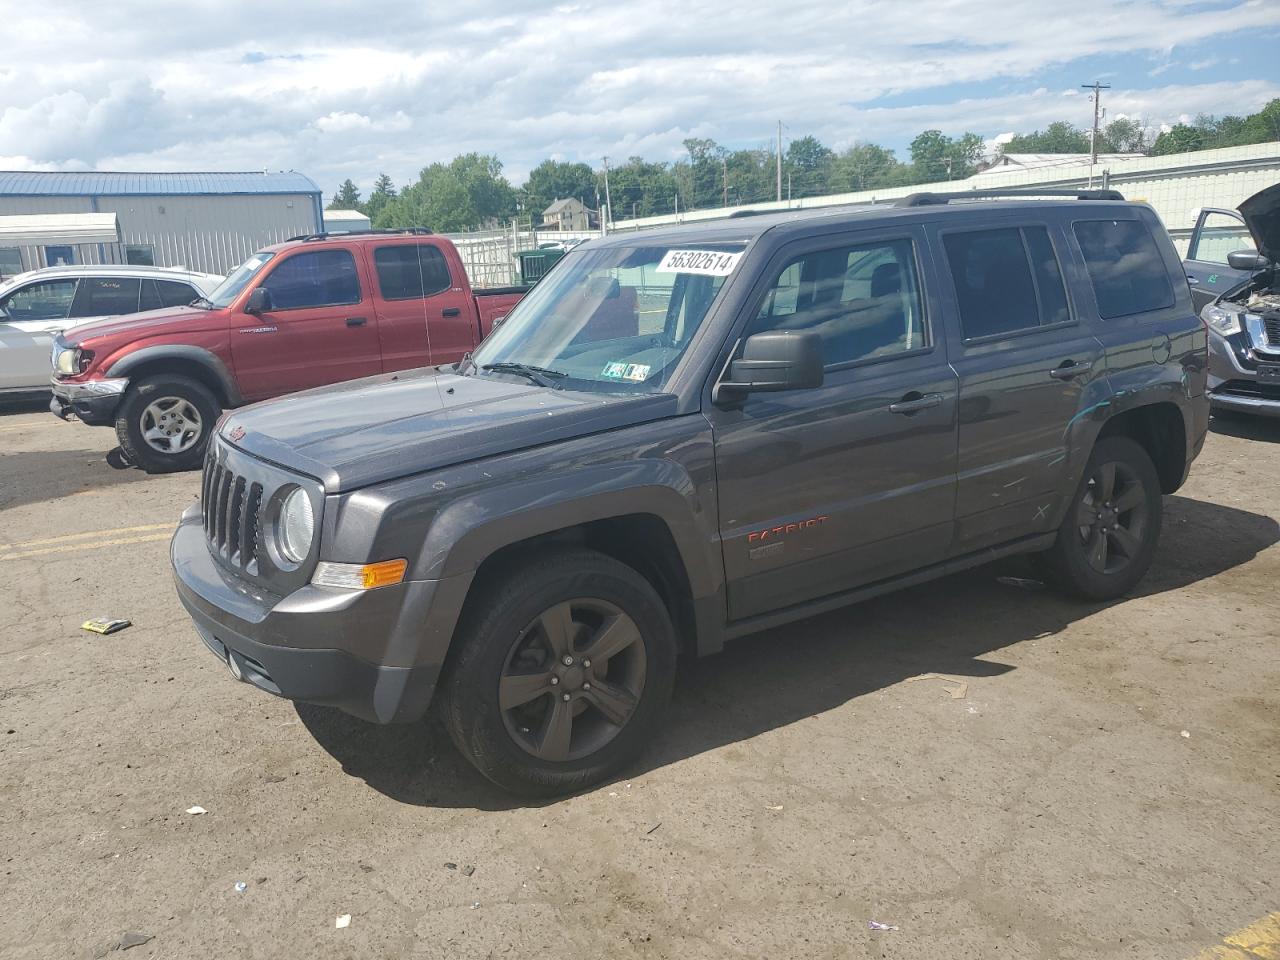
x: 416, y: 231
x: 941, y: 199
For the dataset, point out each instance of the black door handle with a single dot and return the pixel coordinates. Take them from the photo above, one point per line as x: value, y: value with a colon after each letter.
x: 914, y: 402
x: 1070, y: 370
x: 355, y: 321
x: 451, y: 312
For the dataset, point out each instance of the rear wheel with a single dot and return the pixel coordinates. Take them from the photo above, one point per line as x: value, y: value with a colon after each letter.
x: 164, y: 423
x: 561, y: 675
x: 1108, y: 538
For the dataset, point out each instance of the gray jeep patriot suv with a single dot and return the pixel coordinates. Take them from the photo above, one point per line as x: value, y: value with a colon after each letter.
x: 684, y: 436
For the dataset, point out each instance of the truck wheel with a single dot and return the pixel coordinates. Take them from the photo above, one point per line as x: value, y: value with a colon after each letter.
x: 1109, y: 535
x: 561, y: 673
x: 165, y: 421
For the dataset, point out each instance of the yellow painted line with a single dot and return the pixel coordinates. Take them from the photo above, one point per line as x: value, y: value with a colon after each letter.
x: 77, y: 547
x: 1258, y: 941
x: 88, y: 534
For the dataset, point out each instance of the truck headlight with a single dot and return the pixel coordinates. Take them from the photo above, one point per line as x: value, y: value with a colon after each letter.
x: 1220, y: 321
x: 295, y: 526
x: 66, y: 363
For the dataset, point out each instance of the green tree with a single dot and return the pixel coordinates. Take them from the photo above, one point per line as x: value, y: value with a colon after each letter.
x: 810, y: 165
x: 1059, y: 137
x: 1123, y: 135
x: 1179, y: 139
x: 751, y: 176
x: 347, y: 197
x: 641, y: 188
x: 490, y: 197
x: 935, y: 156
x: 384, y: 191
x: 703, y: 174
x: 553, y: 180
x: 866, y: 166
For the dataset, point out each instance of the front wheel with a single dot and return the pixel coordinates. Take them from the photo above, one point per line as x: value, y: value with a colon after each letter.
x: 1108, y: 538
x: 164, y: 423
x: 563, y: 670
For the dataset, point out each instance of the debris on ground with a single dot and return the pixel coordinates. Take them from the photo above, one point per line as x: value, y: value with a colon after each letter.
x: 451, y: 866
x: 196, y: 811
x: 1022, y: 583
x: 877, y: 925
x: 468, y: 870
x: 241, y: 886
x: 958, y: 692
x: 105, y: 625
x: 651, y: 830
x: 126, y: 941
x: 342, y: 922
x: 775, y: 807
x: 1186, y: 734
x: 476, y: 905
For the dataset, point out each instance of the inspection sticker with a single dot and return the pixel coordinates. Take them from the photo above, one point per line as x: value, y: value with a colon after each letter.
x: 709, y: 263
x: 638, y: 372
x: 614, y: 370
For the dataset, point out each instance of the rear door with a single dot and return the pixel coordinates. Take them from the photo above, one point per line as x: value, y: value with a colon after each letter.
x: 1217, y: 233
x: 1026, y: 366
x: 320, y: 328
x: 98, y: 297
x: 823, y: 490
x: 425, y: 316
x: 33, y: 315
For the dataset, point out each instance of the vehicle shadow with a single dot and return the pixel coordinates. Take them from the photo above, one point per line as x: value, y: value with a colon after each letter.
x: 24, y: 403
x: 777, y: 677
x: 35, y: 476
x: 1245, y: 427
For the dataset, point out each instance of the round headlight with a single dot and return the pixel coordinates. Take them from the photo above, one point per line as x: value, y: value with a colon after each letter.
x: 66, y: 363
x: 296, y: 527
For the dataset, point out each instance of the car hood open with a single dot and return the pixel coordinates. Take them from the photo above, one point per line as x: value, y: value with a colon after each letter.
x: 394, y: 425
x: 1261, y: 214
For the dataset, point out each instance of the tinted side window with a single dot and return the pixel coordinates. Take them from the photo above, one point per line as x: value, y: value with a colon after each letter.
x: 106, y: 296
x: 1125, y: 267
x: 410, y: 272
x: 175, y: 293
x: 1006, y: 280
x: 49, y: 300
x: 324, y: 278
x: 863, y: 300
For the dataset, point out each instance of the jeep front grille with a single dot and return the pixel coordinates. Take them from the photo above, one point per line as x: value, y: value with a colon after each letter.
x: 232, y: 507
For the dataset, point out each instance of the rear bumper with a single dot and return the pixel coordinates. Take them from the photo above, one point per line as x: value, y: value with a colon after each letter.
x: 93, y: 401
x: 293, y: 647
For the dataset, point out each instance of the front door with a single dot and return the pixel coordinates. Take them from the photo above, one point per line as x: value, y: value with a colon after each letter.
x: 825, y: 490
x: 319, y: 327
x: 32, y: 316
x: 1026, y: 362
x: 1216, y: 234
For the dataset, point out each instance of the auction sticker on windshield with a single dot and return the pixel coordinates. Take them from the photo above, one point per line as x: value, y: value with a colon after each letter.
x: 709, y: 263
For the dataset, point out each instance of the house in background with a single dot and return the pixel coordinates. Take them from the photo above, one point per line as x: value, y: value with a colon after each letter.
x: 568, y: 214
x: 345, y: 221
x: 208, y: 222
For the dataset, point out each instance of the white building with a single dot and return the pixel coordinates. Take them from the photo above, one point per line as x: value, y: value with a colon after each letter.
x: 205, y: 221
x: 345, y: 221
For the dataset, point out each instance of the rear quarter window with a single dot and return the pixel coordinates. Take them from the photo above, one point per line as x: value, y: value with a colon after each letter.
x: 1125, y: 267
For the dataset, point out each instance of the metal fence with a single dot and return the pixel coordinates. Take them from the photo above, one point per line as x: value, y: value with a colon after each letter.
x: 490, y: 255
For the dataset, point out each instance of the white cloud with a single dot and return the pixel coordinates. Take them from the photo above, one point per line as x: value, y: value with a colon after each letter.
x: 396, y: 87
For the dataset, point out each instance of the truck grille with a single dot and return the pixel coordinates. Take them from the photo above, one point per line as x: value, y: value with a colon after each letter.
x: 232, y: 509
x: 1272, y: 325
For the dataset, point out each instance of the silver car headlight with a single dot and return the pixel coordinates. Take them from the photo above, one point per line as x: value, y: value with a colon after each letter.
x: 1220, y: 321
x: 295, y: 527
x: 66, y: 362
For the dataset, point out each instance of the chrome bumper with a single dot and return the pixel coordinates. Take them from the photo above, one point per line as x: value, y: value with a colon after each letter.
x: 93, y: 401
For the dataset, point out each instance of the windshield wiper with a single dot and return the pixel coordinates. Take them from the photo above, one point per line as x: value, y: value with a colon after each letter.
x: 539, y: 375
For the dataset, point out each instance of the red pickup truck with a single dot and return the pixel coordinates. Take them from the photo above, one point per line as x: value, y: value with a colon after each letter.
x: 311, y: 311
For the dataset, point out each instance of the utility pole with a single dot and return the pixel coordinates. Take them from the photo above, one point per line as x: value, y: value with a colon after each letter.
x: 608, y: 205
x: 724, y: 165
x: 788, y: 188
x: 779, y: 160
x: 947, y: 161
x: 1097, y: 89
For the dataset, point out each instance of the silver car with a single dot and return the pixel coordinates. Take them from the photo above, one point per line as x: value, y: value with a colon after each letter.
x: 36, y: 306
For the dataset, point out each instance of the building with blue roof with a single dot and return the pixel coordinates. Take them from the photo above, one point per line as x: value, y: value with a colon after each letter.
x: 204, y: 221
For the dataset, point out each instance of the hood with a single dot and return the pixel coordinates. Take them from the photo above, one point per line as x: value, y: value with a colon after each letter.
x: 394, y: 425
x: 1261, y: 214
x: 140, y: 324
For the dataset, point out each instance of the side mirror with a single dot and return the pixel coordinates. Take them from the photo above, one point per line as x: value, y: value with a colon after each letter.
x: 259, y: 301
x: 774, y: 361
x: 1249, y: 260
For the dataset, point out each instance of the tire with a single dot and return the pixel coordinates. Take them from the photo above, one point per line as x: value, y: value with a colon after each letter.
x: 1089, y: 564
x: 499, y: 702
x: 177, y: 411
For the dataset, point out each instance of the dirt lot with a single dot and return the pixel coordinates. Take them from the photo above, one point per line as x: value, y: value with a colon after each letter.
x: 1108, y: 785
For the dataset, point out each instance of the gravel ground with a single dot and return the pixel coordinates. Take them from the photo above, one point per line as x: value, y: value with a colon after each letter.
x: 1076, y: 781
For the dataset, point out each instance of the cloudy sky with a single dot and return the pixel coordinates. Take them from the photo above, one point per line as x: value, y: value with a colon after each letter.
x: 341, y: 90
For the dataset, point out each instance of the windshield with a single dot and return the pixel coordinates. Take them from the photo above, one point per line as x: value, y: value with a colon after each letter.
x: 612, y: 319
x: 239, y: 278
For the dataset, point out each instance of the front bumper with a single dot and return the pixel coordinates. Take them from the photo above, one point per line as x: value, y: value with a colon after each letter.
x: 316, y: 645
x: 1233, y: 378
x: 93, y: 401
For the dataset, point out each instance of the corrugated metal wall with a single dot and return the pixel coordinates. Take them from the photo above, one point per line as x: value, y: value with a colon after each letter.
x: 207, y: 233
